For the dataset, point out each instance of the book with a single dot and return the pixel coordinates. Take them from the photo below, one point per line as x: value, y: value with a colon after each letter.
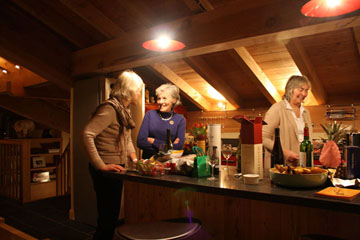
x: 340, y: 193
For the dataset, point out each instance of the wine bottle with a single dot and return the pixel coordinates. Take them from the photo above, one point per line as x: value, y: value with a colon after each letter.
x: 277, y: 155
x: 168, y: 144
x: 306, y: 150
x: 238, y: 156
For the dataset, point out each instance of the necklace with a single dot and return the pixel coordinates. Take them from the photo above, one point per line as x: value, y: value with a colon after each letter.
x: 166, y: 119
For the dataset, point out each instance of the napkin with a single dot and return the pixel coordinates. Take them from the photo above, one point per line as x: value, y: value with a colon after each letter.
x: 340, y: 193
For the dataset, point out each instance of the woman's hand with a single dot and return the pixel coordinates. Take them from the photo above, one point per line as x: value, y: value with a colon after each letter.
x: 177, y: 140
x: 151, y: 140
x: 112, y: 167
x: 291, y: 157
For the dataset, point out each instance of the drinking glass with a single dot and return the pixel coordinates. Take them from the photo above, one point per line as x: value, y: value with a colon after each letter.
x: 226, y: 150
x: 213, y: 160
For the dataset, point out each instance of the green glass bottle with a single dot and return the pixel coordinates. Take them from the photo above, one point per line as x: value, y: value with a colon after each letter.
x: 306, y: 150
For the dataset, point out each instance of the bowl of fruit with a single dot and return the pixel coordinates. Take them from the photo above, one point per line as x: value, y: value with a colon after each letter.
x: 298, y: 177
x: 150, y: 167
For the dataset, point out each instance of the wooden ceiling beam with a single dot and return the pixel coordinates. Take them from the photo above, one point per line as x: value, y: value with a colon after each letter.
x: 255, y: 24
x: 259, y: 78
x: 16, y: 79
x: 356, y: 31
x: 37, y: 110
x: 215, y: 80
x: 192, y: 94
x: 33, y: 46
x: 41, y: 12
x: 302, y: 61
x: 94, y: 17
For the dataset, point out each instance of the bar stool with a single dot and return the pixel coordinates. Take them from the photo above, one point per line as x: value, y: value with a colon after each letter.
x: 167, y: 229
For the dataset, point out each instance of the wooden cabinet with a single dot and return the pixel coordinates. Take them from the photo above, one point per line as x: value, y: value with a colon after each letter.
x: 31, y: 168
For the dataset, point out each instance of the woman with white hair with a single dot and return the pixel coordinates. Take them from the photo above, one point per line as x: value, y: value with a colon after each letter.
x: 107, y: 141
x: 290, y: 116
x: 156, y: 122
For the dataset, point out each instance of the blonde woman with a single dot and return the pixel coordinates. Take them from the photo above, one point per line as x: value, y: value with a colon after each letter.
x: 107, y: 141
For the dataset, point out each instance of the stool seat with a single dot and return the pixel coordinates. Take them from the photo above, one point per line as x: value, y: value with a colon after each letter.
x: 157, y: 230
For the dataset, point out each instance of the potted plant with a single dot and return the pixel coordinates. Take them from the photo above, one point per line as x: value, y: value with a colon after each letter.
x: 330, y: 154
x: 199, y: 131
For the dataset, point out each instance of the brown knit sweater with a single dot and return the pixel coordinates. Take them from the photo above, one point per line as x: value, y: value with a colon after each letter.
x: 105, y: 140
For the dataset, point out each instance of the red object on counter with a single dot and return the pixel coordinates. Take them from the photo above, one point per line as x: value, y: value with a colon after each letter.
x: 231, y: 162
x: 251, y: 130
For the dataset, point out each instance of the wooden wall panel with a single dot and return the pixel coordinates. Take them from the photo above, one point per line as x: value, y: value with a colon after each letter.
x: 227, y: 217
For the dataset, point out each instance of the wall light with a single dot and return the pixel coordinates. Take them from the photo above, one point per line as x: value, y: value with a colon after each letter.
x: 163, y: 44
x: 4, y: 71
x: 222, y: 105
x: 329, y: 8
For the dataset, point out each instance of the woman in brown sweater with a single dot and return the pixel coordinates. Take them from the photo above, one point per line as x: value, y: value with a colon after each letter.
x: 107, y: 141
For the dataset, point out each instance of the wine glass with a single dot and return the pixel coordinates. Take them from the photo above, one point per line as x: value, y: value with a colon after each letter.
x: 226, y: 151
x: 213, y: 159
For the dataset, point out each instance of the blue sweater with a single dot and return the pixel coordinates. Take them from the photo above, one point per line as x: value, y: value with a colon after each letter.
x: 155, y: 127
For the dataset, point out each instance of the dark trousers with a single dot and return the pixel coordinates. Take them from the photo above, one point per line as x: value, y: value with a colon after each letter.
x: 108, y: 197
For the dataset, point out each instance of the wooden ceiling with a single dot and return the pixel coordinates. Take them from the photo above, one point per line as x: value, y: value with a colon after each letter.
x: 243, y: 49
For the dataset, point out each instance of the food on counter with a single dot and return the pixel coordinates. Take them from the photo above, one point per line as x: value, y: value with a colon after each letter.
x: 150, y: 167
x: 297, y: 170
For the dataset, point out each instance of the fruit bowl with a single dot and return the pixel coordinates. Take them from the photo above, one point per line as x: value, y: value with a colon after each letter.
x: 298, y: 180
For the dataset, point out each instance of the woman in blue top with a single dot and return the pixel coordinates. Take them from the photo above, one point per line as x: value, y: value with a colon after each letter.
x: 155, y: 123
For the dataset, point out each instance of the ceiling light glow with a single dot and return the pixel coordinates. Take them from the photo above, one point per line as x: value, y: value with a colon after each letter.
x: 333, y: 3
x: 4, y: 71
x: 17, y: 66
x: 329, y: 8
x: 163, y: 42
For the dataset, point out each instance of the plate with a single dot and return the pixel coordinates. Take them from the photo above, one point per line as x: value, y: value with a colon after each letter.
x: 298, y: 180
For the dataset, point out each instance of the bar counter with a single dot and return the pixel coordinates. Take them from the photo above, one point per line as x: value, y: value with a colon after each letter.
x: 230, y: 209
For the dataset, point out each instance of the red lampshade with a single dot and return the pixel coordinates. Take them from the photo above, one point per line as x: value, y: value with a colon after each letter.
x: 172, y: 45
x: 321, y: 8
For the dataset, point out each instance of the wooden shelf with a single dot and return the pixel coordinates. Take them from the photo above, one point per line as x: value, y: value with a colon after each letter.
x: 40, y: 183
x: 43, y: 168
x: 44, y: 154
x: 343, y: 113
x: 22, y: 159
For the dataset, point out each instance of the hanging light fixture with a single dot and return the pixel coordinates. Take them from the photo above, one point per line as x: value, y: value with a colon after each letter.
x: 329, y: 8
x: 163, y: 44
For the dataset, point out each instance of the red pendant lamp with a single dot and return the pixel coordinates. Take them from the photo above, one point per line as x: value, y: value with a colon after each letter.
x: 329, y: 8
x: 163, y: 44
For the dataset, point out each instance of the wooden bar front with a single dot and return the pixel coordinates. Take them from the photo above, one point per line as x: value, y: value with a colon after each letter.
x: 227, y: 213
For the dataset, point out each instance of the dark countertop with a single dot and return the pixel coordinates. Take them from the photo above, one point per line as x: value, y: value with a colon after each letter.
x: 264, y: 191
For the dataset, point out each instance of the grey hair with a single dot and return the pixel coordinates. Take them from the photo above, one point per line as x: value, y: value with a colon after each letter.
x: 126, y: 85
x: 172, y: 90
x: 293, y: 82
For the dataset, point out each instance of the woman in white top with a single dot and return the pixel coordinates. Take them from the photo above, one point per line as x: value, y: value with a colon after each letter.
x: 290, y: 116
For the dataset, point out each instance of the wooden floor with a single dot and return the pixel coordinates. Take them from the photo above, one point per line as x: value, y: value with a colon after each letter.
x: 45, y: 219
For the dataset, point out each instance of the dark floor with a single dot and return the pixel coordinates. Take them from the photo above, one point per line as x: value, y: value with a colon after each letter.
x: 46, y: 218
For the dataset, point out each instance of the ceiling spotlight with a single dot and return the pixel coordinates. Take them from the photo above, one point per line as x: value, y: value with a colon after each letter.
x: 222, y: 105
x: 4, y: 71
x: 17, y: 66
x: 329, y: 8
x: 163, y: 44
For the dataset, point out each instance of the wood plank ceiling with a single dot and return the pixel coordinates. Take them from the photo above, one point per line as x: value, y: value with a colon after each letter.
x: 238, y: 52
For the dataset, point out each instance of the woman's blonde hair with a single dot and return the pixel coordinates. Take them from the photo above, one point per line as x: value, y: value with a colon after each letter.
x: 293, y: 82
x: 126, y: 85
x: 172, y: 90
